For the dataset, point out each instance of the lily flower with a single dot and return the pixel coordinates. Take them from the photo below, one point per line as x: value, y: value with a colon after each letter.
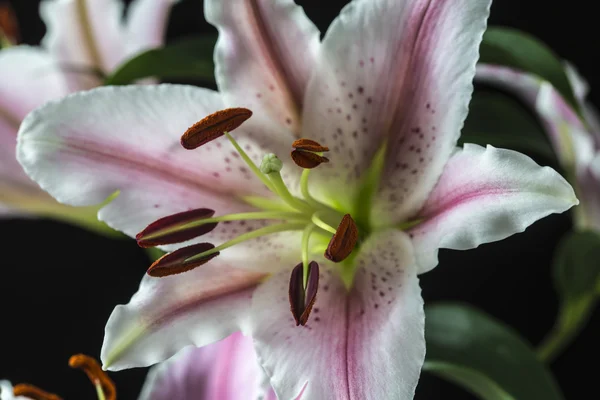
x: 314, y: 255
x: 574, y: 137
x: 85, y: 40
x: 227, y: 370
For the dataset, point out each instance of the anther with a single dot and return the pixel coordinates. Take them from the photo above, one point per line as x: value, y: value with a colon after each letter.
x: 343, y: 241
x: 176, y: 228
x: 33, y: 393
x: 214, y: 126
x: 305, y: 159
x: 93, y: 370
x: 301, y: 300
x: 305, y: 153
x: 175, y: 262
x: 309, y: 145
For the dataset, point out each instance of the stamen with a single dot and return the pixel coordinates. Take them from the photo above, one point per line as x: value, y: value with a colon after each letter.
x: 305, y: 153
x: 250, y: 163
x: 176, y: 228
x: 181, y: 260
x: 301, y: 299
x: 343, y: 241
x: 9, y: 26
x: 291, y: 226
x: 309, y: 145
x: 322, y: 224
x: 305, y: 192
x: 105, y: 387
x: 33, y: 392
x: 214, y: 126
x: 305, y: 159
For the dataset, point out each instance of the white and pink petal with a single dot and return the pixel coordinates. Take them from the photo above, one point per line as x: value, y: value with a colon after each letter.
x: 264, y: 57
x: 398, y: 72
x: 485, y: 195
x: 226, y: 370
x: 90, y: 145
x: 147, y: 24
x: 195, y: 308
x: 85, y: 36
x: 365, y: 343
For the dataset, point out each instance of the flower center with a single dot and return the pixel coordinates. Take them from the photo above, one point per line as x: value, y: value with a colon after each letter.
x: 326, y: 231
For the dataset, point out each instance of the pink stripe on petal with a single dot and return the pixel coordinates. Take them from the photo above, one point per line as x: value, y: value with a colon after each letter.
x: 399, y: 71
x: 196, y: 308
x: 485, y: 195
x: 264, y: 56
x: 343, y: 351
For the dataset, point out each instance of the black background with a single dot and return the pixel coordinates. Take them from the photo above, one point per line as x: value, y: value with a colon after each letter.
x: 59, y: 284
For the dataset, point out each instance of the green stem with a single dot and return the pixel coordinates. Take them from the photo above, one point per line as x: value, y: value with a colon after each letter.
x: 285, y: 194
x: 305, y: 241
x: 321, y: 224
x: 291, y: 226
x: 572, y: 317
x: 250, y: 163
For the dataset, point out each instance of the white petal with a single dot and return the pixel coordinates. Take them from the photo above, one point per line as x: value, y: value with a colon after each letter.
x: 264, y: 57
x: 197, y: 308
x: 395, y: 70
x: 146, y: 24
x: 84, y: 35
x: 363, y: 344
x: 485, y: 195
x: 30, y: 77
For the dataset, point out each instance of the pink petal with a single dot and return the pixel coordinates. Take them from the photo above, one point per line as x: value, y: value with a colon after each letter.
x: 399, y: 70
x: 86, y: 147
x: 146, y: 24
x: 485, y: 195
x: 264, y: 57
x: 364, y: 344
x: 84, y: 35
x: 226, y: 370
x: 197, y: 308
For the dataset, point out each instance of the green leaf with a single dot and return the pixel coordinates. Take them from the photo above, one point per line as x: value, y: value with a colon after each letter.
x: 498, y: 119
x: 576, y: 274
x: 513, y: 48
x: 484, y: 356
x: 189, y: 58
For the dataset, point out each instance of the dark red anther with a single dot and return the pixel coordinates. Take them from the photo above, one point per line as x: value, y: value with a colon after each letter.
x: 172, y: 229
x: 175, y: 262
x: 343, y: 241
x: 214, y: 126
x: 301, y: 299
x: 309, y: 145
x: 307, y: 160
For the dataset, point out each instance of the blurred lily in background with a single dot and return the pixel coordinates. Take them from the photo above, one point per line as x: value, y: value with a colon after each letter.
x: 225, y: 370
x: 85, y: 40
x: 573, y: 130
